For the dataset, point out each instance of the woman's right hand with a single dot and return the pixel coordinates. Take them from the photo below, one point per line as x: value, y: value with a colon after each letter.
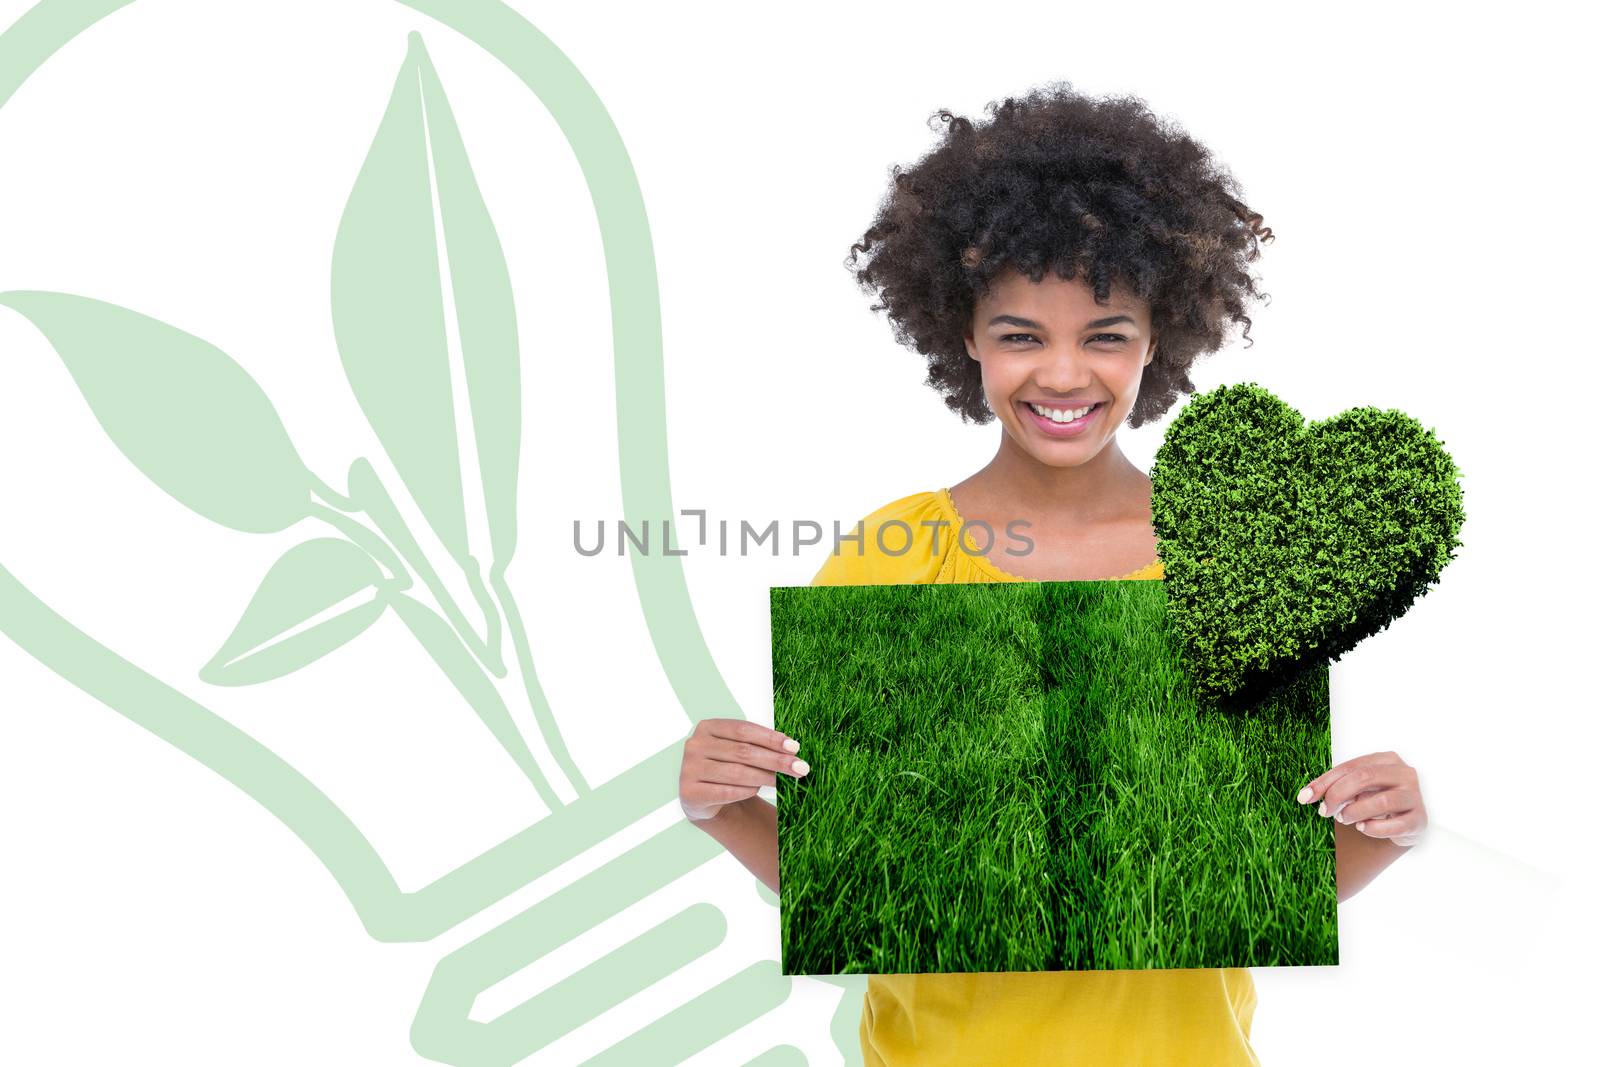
x: 728, y: 760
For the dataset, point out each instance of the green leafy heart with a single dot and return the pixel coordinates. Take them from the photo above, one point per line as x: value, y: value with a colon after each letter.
x: 1285, y: 544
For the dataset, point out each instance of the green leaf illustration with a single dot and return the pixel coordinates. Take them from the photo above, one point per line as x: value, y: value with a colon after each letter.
x: 179, y: 408
x: 308, y: 579
x: 389, y: 311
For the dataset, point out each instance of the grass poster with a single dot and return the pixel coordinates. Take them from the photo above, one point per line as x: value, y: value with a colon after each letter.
x: 1019, y: 776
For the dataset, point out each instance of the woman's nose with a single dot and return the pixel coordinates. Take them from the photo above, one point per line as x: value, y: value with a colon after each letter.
x: 1062, y: 369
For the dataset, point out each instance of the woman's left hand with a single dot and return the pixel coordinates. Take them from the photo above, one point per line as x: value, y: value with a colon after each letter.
x: 1377, y: 793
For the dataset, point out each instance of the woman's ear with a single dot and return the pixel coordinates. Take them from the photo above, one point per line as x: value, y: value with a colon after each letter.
x: 972, y: 348
x: 1150, y: 356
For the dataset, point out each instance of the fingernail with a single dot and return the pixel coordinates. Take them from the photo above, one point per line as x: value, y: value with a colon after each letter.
x: 1305, y: 795
x: 1322, y: 809
x: 1361, y: 825
x: 791, y: 744
x: 1341, y: 816
x: 801, y: 766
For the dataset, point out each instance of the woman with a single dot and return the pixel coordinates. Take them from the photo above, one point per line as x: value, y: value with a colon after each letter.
x: 1061, y: 266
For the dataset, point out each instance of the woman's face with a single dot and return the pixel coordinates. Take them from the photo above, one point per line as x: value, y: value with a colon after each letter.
x: 1048, y: 345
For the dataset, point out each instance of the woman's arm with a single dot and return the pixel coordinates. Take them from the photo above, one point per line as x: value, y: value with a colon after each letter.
x: 1358, y: 859
x: 749, y: 830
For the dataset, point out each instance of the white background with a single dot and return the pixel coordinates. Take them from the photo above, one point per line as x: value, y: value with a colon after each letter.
x: 1427, y: 174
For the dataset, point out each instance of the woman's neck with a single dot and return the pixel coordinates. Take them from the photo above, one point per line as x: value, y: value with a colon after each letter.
x: 1103, y: 489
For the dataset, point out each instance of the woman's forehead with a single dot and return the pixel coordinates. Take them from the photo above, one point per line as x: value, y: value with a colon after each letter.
x: 1052, y: 297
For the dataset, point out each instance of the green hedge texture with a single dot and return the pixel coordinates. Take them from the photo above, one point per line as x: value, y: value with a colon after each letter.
x: 1286, y: 544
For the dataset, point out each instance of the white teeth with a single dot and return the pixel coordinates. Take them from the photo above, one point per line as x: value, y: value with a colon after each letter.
x: 1060, y: 416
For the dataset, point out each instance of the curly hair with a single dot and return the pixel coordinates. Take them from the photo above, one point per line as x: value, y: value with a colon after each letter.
x: 1060, y: 181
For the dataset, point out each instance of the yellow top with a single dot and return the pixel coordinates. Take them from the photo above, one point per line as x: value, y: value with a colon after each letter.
x: 1196, y: 1017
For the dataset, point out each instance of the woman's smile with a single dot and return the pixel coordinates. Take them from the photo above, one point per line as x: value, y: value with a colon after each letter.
x: 1059, y: 425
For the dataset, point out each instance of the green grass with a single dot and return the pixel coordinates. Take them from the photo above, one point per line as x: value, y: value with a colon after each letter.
x: 1018, y: 776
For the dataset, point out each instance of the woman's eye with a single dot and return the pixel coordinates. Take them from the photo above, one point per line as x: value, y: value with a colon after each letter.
x: 1018, y: 337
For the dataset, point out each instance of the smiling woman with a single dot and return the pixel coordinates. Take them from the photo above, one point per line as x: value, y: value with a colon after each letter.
x: 1060, y: 266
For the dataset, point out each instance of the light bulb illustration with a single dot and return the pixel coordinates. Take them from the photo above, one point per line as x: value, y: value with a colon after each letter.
x: 193, y: 421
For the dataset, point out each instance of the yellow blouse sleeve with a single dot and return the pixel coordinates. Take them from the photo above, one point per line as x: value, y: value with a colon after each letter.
x: 870, y: 552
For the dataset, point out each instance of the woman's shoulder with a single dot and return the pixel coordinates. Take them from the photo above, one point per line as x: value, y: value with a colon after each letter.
x: 912, y: 506
x: 901, y: 541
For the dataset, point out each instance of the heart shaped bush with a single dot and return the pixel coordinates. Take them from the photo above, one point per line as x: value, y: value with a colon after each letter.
x: 1284, y: 544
